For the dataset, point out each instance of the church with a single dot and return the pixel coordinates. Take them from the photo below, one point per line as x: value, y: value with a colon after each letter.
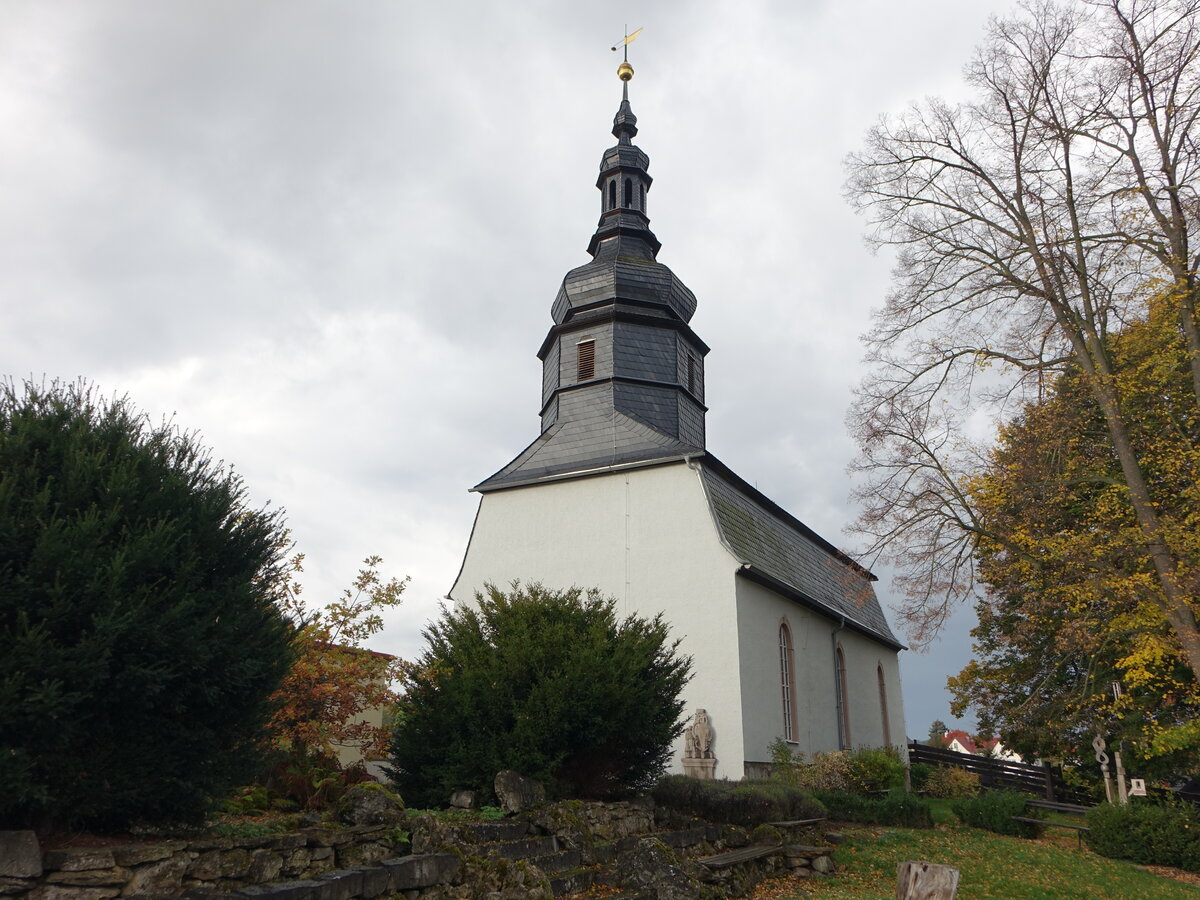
x: 620, y: 492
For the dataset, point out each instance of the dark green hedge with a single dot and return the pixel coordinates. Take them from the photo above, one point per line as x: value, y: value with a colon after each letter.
x: 994, y: 811
x: 1145, y: 833
x: 895, y: 808
x: 746, y: 803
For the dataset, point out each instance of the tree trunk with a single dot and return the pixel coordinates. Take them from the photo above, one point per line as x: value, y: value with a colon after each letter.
x: 925, y: 881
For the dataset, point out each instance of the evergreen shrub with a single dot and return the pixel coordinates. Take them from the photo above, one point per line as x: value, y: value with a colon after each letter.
x: 1146, y: 833
x: 138, y: 622
x: 747, y: 803
x: 547, y: 683
x: 994, y: 811
x: 896, y: 808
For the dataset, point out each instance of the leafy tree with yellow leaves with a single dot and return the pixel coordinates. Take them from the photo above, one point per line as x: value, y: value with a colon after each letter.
x: 1072, y: 605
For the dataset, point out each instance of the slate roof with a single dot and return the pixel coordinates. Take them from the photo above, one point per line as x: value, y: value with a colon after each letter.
x: 578, y: 445
x: 785, y: 554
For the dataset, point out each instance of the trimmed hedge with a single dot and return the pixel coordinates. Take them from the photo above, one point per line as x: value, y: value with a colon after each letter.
x: 746, y: 803
x: 896, y: 808
x: 994, y: 811
x: 1146, y: 833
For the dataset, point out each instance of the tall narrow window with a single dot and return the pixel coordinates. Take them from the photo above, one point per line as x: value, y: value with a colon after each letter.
x: 612, y: 194
x: 843, y: 700
x: 787, y: 678
x: 691, y: 374
x: 887, y: 729
x: 587, y: 360
x: 628, y: 198
x: 642, y: 205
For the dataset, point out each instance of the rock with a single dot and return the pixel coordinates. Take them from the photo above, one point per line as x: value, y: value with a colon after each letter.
x: 651, y: 867
x: 264, y: 866
x: 834, y: 837
x: 159, y: 879
x: 64, y: 892
x: 137, y: 854
x: 518, y: 793
x: 371, y: 804
x: 15, y: 885
x: 823, y: 864
x: 78, y: 859
x: 20, y: 855
x: 90, y: 877
x: 464, y: 800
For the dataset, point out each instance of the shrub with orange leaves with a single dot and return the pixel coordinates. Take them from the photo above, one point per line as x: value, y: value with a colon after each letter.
x: 335, y: 682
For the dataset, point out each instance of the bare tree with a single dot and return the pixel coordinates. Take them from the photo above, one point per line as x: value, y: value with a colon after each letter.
x: 1029, y: 224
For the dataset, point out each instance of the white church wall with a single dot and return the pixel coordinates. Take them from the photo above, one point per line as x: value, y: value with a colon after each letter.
x: 760, y: 613
x: 644, y: 536
x: 864, y: 657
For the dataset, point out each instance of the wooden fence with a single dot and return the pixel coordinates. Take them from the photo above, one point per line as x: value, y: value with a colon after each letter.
x: 1044, y: 780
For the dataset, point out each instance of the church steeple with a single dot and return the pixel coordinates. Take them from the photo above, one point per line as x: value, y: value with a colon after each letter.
x: 623, y: 373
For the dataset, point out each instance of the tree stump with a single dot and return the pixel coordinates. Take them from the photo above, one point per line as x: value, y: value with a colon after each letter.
x: 925, y: 881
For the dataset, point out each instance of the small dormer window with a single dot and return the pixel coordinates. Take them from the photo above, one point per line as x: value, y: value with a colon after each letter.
x: 628, y: 193
x: 586, y: 368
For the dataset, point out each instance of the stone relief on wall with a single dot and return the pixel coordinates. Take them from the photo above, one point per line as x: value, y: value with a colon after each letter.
x: 698, y: 758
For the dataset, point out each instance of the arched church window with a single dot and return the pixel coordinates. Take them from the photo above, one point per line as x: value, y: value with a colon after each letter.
x: 843, y: 700
x: 628, y: 199
x: 787, y: 681
x: 642, y: 204
x: 612, y: 194
x: 586, y: 368
x: 883, y: 708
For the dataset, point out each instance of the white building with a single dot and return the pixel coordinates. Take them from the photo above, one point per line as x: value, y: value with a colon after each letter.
x: 619, y: 492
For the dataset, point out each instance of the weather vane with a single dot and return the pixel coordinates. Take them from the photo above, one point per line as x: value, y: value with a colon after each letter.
x: 625, y: 70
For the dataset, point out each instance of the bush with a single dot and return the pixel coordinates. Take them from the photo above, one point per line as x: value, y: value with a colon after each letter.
x: 1146, y: 833
x: 137, y: 615
x: 866, y: 769
x: 548, y: 683
x: 746, y: 803
x: 898, y: 808
x: 950, y: 782
x: 876, y: 769
x: 919, y: 775
x: 994, y: 811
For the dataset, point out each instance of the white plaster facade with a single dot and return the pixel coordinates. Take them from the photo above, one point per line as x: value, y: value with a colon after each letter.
x: 647, y: 537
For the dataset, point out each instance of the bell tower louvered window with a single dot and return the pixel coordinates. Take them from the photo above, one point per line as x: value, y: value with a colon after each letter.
x: 586, y: 368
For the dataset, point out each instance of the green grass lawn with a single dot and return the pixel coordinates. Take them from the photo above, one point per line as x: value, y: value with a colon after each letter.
x: 993, y: 867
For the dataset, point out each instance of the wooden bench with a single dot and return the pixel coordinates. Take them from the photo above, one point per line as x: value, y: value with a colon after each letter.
x: 1078, y: 829
x: 1073, y: 809
x: 797, y: 823
x: 733, y: 857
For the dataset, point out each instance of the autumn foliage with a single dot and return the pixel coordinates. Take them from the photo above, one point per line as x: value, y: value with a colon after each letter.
x: 1072, y: 603
x: 335, y: 680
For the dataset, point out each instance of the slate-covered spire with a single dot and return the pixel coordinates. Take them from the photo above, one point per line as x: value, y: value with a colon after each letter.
x: 624, y: 181
x: 623, y: 373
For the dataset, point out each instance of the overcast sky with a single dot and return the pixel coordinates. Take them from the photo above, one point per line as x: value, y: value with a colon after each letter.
x: 326, y: 235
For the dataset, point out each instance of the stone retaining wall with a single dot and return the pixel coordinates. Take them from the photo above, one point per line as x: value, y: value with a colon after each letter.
x: 169, y: 868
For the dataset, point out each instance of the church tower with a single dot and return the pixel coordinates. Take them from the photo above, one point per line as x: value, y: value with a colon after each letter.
x: 622, y: 372
x: 620, y: 492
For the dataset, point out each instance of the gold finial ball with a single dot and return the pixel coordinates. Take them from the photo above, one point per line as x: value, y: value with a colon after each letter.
x: 625, y: 71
